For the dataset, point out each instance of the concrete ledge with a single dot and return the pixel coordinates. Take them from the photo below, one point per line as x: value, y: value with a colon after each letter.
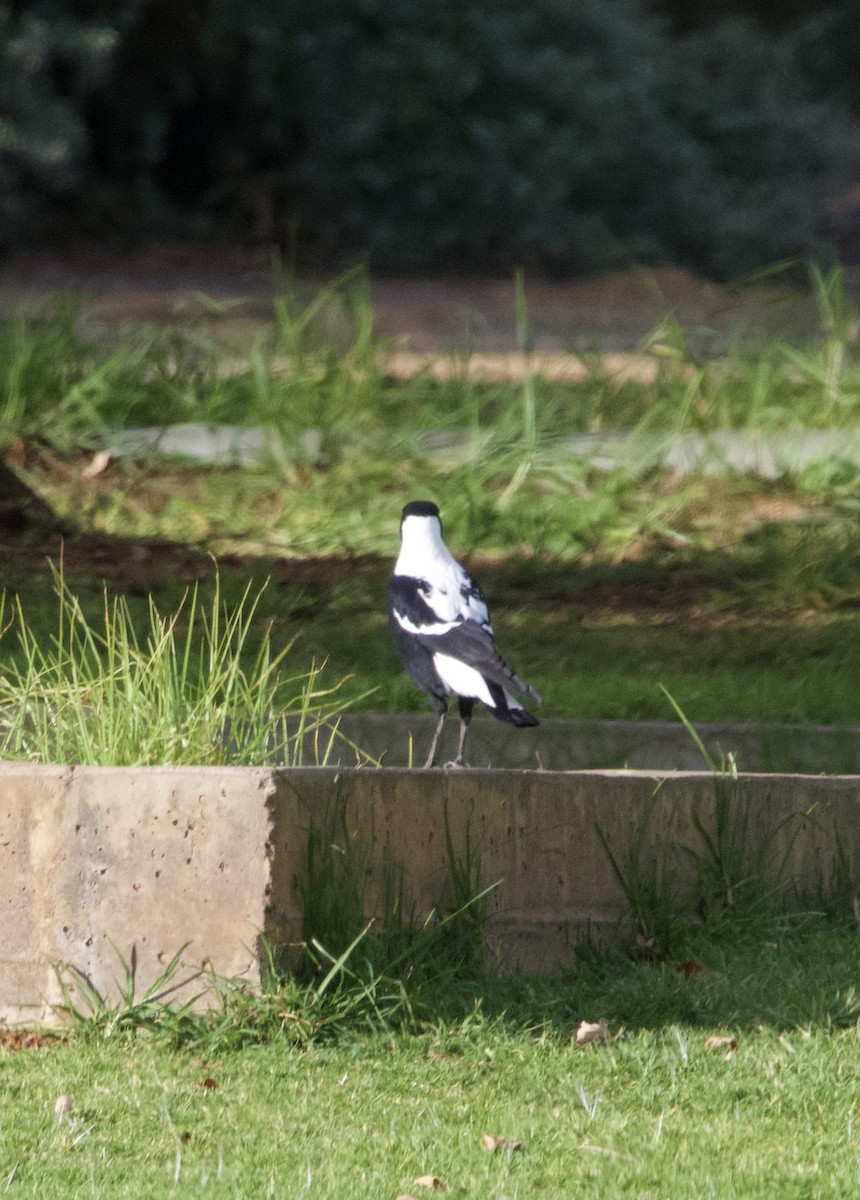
x: 154, y: 858
x: 563, y: 745
x: 770, y: 455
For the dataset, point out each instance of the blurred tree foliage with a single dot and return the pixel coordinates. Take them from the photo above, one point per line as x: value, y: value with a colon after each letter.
x: 772, y: 14
x: 566, y: 137
x: 829, y: 51
x: 50, y: 61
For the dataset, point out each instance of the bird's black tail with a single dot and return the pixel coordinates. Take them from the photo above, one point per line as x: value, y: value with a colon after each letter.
x: 502, y: 710
x: 518, y: 717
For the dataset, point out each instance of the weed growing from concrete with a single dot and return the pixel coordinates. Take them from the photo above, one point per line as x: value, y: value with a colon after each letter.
x: 87, y: 1010
x: 732, y: 878
x: 394, y: 943
x: 649, y: 881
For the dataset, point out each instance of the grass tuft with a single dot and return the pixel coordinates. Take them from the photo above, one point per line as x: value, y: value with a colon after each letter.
x: 86, y: 1010
x: 196, y: 686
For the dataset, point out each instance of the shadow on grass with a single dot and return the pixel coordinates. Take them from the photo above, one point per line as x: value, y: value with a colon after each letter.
x: 768, y: 633
x: 794, y: 973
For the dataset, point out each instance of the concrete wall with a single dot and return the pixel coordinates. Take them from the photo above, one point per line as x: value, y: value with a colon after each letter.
x: 563, y: 745
x: 536, y: 835
x: 153, y: 858
x: 147, y: 858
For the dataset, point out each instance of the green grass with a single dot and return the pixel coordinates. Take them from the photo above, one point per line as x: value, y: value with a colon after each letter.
x: 390, y: 1058
x: 317, y: 363
x: 348, y: 443
x: 740, y: 595
x: 650, y: 1112
x: 199, y: 685
x: 768, y: 634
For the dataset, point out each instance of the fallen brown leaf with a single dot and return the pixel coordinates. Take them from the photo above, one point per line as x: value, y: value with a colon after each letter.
x: 721, y: 1043
x: 433, y: 1182
x: 590, y: 1031
x: 14, y: 1039
x: 492, y: 1142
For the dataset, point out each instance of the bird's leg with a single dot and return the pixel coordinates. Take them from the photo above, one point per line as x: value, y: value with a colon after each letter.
x: 466, y: 707
x: 431, y: 757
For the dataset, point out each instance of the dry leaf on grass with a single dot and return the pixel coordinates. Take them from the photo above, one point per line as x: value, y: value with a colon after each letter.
x: 721, y: 1043
x: 433, y: 1182
x: 590, y: 1031
x: 15, y: 1039
x: 99, y: 462
x: 729, y: 1044
x: 492, y: 1142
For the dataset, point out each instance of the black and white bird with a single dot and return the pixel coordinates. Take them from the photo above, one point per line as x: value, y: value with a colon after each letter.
x: 441, y: 627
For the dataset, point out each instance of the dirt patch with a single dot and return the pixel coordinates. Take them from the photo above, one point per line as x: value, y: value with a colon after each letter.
x: 170, y: 283
x: 28, y: 1039
x: 512, y: 366
x: 128, y: 566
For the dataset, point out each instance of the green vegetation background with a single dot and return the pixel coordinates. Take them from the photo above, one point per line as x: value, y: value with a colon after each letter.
x: 739, y: 594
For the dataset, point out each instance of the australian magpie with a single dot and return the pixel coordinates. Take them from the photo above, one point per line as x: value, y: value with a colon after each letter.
x: 441, y: 627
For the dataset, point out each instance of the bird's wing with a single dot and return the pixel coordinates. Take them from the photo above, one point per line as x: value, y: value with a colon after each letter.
x: 410, y: 603
x: 467, y: 640
x: 471, y: 644
x: 473, y: 606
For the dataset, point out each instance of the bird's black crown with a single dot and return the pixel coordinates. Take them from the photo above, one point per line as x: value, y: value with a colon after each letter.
x: 420, y: 508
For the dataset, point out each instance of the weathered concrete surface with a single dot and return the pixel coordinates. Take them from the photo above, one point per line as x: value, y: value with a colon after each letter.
x: 563, y: 745
x: 148, y: 858
x: 769, y: 455
x: 536, y: 835
x: 154, y: 858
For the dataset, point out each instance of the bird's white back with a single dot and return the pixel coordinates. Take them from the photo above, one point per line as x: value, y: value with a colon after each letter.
x: 424, y: 555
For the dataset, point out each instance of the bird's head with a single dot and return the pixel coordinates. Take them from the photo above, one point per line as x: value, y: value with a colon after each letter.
x: 421, y: 525
x: 420, y: 508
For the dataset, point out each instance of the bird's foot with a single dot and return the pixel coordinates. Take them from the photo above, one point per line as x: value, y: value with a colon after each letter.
x: 456, y: 764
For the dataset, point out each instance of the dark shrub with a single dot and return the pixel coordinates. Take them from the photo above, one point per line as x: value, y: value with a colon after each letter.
x: 454, y: 134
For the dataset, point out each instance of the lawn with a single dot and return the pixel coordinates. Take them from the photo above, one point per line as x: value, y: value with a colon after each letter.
x: 769, y: 632
x: 650, y: 1111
